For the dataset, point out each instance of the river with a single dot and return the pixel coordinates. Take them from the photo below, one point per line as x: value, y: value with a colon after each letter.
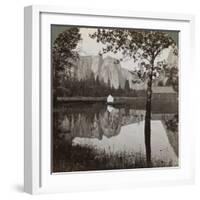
x: 102, y: 137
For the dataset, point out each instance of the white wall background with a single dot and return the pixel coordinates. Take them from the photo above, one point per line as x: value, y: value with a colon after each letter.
x: 11, y: 100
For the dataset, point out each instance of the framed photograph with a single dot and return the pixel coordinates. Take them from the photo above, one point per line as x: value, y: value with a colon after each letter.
x: 106, y: 99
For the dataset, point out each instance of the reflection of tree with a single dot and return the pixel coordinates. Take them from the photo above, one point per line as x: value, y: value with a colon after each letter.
x: 148, y: 149
x: 171, y: 125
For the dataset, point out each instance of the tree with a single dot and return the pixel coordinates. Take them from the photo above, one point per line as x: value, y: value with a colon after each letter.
x: 143, y: 45
x: 173, y: 78
x: 127, y: 87
x: 64, y: 55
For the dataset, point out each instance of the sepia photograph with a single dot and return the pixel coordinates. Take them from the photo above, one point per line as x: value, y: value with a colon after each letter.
x: 114, y: 98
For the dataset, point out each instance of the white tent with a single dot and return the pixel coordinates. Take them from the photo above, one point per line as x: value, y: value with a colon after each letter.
x: 110, y: 98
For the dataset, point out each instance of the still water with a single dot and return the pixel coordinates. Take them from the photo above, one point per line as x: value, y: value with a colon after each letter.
x: 102, y: 137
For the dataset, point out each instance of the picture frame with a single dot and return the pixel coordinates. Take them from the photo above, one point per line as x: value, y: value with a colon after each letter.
x: 37, y: 87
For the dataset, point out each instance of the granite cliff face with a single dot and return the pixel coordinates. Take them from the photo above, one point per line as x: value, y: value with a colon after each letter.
x: 88, y: 66
x: 111, y: 73
x: 108, y: 70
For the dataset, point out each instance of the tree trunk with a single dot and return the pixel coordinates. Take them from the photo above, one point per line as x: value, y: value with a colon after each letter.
x: 147, y: 127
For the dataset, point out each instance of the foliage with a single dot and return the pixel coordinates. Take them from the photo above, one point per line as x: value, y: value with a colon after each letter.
x: 127, y: 86
x: 173, y: 78
x: 64, y: 54
x: 172, y: 124
x: 92, y: 87
x: 140, y: 45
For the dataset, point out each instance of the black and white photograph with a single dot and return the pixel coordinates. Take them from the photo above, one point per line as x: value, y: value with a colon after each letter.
x: 114, y: 98
x: 100, y: 100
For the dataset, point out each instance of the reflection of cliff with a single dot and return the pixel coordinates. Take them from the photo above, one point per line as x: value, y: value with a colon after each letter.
x: 104, y: 123
x: 111, y: 122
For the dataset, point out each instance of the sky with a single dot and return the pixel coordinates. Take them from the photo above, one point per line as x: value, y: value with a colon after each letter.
x: 88, y: 46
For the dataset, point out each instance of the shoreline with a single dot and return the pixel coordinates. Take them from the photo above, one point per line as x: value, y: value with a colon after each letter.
x: 97, y: 99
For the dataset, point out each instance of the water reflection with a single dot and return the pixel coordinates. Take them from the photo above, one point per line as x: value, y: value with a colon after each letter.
x: 96, y: 137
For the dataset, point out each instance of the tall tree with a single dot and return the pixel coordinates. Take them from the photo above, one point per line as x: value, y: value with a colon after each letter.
x: 144, y: 45
x: 127, y: 87
x: 64, y: 54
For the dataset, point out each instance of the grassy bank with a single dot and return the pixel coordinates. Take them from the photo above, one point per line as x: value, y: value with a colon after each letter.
x: 86, y: 158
